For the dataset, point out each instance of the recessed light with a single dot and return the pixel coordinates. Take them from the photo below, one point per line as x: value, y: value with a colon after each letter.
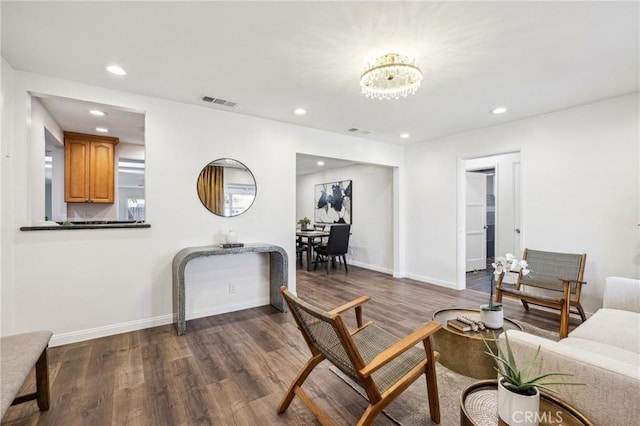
x: 320, y: 163
x: 299, y: 111
x: 97, y: 112
x: 404, y: 135
x: 499, y: 110
x: 102, y: 129
x: 116, y: 69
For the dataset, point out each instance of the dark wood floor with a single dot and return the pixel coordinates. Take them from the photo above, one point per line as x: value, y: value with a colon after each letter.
x: 232, y: 369
x: 479, y: 280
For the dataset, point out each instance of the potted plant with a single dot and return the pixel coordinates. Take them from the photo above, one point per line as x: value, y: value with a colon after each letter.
x: 304, y: 223
x: 491, y: 315
x: 518, y: 391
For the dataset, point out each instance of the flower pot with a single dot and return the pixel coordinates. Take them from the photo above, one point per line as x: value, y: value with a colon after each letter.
x: 491, y: 318
x: 231, y: 237
x: 517, y: 409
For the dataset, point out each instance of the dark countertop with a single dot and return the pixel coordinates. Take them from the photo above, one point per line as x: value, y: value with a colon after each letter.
x: 96, y: 224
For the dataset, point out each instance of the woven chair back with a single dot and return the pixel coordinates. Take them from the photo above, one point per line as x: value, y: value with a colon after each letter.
x: 322, y: 331
x: 547, y: 268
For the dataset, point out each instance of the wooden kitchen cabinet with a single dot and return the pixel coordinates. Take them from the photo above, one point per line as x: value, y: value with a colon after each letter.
x: 89, y: 168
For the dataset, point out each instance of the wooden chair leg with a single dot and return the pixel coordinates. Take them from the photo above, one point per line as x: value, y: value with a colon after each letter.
x: 525, y: 304
x: 581, y: 312
x: 369, y: 415
x: 432, y: 383
x: 42, y: 381
x: 344, y: 258
x: 298, y: 381
x: 564, y: 321
x: 565, y: 310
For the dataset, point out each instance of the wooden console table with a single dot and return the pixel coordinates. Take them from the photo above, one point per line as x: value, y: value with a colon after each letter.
x: 278, y: 274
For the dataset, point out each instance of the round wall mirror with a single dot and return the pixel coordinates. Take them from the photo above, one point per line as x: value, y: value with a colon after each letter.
x: 226, y: 187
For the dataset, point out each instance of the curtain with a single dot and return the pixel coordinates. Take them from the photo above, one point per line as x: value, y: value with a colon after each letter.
x: 211, y: 188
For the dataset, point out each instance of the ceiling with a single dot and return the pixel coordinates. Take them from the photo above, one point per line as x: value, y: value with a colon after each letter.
x: 72, y: 115
x: 273, y: 57
x: 306, y: 164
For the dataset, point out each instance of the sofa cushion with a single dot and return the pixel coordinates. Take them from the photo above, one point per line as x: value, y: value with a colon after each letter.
x: 621, y: 293
x: 610, y: 352
x: 617, y: 328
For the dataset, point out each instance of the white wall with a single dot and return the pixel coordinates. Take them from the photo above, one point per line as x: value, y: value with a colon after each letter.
x: 580, y: 173
x: 40, y: 119
x: 371, y: 242
x: 88, y: 283
x: 580, y: 190
x: 6, y: 208
x: 58, y: 205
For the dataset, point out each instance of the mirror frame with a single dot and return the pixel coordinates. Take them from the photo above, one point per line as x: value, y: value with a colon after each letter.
x: 247, y: 169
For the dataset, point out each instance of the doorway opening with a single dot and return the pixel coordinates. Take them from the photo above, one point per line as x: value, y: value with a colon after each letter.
x: 489, y: 196
x: 374, y: 201
x: 481, y: 248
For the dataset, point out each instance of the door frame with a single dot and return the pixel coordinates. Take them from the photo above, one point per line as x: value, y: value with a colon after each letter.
x: 471, y: 164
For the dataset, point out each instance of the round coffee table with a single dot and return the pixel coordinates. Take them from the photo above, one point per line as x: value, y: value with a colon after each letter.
x: 479, y: 406
x: 464, y: 352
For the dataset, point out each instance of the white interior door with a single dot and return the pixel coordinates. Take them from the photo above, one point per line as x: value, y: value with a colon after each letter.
x: 476, y: 223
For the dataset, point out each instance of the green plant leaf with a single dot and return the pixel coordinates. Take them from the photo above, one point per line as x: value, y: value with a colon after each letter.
x: 515, y: 379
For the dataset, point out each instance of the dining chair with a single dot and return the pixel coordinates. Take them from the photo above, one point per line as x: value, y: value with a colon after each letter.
x: 382, y: 364
x: 301, y: 249
x: 337, y: 246
x: 317, y: 227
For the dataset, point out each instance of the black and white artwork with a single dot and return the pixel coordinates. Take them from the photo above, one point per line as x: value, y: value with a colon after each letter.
x: 333, y: 202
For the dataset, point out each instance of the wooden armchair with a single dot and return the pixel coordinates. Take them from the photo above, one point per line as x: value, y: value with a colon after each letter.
x: 555, y: 281
x: 381, y: 363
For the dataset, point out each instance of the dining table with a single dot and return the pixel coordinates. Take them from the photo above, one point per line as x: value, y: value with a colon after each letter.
x: 311, y: 236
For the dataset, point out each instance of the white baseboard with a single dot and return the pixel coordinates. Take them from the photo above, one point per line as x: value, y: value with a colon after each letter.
x: 435, y: 281
x: 217, y: 310
x: 421, y: 278
x: 371, y: 267
x: 125, y: 327
x: 108, y: 330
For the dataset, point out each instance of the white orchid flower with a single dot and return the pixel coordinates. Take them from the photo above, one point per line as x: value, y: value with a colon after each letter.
x: 510, y: 263
x: 497, y: 269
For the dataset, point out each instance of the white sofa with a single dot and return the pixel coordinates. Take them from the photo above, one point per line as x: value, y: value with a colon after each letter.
x: 603, y: 352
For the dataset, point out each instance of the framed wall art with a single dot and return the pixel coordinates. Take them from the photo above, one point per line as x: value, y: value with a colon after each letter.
x: 333, y: 202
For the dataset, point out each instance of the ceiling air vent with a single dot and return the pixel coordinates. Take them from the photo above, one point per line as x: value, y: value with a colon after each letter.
x: 218, y: 101
x: 358, y: 131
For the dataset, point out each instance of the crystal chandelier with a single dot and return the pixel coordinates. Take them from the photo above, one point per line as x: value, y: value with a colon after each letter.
x: 391, y: 76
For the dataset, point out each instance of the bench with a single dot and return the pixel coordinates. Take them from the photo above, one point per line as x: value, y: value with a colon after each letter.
x: 18, y: 356
x: 555, y: 282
